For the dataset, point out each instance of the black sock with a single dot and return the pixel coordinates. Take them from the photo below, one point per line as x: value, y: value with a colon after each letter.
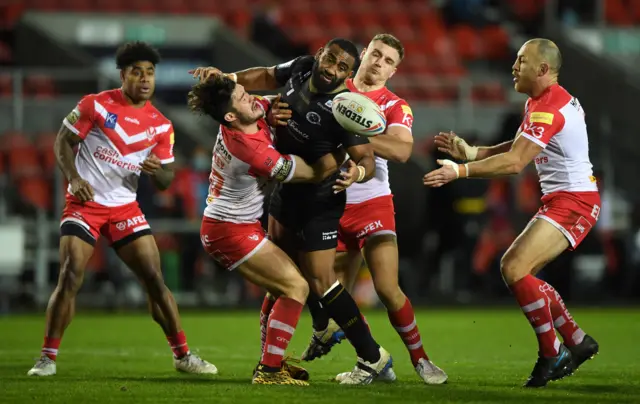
x: 318, y: 313
x: 343, y: 309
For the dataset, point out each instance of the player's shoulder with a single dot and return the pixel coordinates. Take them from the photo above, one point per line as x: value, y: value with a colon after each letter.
x: 155, y: 116
x: 244, y: 146
x: 554, y: 99
x: 303, y: 64
x: 107, y: 96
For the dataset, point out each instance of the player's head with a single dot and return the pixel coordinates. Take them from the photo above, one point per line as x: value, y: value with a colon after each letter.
x: 225, y: 101
x: 335, y: 62
x: 137, y: 63
x: 537, y: 65
x: 380, y: 59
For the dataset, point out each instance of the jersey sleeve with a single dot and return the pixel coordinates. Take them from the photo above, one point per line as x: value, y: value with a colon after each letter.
x: 400, y: 115
x: 263, y: 159
x: 164, y: 148
x: 81, y: 119
x: 541, y: 124
x: 284, y: 71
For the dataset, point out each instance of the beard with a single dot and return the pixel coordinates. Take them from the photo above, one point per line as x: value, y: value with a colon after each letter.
x: 319, y: 82
x: 250, y: 118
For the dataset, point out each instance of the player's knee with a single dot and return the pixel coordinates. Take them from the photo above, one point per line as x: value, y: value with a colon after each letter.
x: 298, y: 289
x: 390, y: 294
x: 512, y: 268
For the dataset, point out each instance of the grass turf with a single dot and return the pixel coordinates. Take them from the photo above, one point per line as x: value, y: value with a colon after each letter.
x: 487, y: 354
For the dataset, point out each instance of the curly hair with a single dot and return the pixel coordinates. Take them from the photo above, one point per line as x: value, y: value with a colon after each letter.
x: 137, y: 51
x: 212, y: 98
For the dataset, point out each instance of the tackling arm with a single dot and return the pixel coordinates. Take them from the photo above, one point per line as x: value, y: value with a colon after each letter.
x: 395, y: 145
x: 257, y: 78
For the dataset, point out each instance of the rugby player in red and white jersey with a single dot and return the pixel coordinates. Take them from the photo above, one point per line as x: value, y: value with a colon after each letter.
x: 553, y: 134
x: 368, y: 223
x: 244, y: 161
x: 119, y: 135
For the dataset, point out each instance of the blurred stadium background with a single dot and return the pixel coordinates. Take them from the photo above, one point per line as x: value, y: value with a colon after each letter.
x: 456, y: 76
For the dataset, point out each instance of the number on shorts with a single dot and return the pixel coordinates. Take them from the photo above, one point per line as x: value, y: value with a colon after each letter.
x: 595, y: 212
x: 216, y: 184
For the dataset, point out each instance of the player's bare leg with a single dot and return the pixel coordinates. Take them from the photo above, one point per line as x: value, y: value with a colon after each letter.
x: 273, y: 270
x: 537, y: 245
x: 381, y: 254
x: 143, y: 258
x: 317, y: 266
x: 74, y: 255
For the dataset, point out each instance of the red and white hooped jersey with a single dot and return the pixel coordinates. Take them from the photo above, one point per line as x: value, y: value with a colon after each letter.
x: 117, y: 138
x: 241, y: 167
x: 398, y: 113
x: 555, y: 121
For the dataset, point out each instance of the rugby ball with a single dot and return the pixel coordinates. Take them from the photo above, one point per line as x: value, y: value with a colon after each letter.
x: 358, y: 113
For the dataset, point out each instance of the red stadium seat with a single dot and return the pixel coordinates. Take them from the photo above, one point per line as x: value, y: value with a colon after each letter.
x: 495, y: 42
x: 467, y: 42
x: 39, y: 86
x: 35, y: 191
x: 14, y: 140
x: 6, y: 85
x: 617, y: 13
x: 24, y: 162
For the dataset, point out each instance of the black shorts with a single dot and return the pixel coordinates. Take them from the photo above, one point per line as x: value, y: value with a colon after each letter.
x: 312, y: 219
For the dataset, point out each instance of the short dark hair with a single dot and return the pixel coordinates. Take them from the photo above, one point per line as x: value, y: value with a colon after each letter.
x: 392, y: 41
x: 349, y: 47
x: 137, y: 51
x: 212, y: 98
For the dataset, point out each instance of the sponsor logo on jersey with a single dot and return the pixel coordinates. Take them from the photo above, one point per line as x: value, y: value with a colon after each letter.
x: 353, y: 112
x: 541, y: 117
x: 112, y: 157
x: 329, y: 103
x: 407, y: 110
x: 369, y: 228
x: 313, y: 118
x: 132, y: 120
x: 221, y: 150
x: 151, y: 133
x: 295, y: 131
x: 73, y: 116
x: 254, y: 237
x: 329, y: 235
x: 110, y: 121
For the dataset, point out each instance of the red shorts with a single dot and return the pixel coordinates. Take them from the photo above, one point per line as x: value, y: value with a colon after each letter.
x: 365, y: 219
x: 573, y: 213
x: 231, y: 244
x: 118, y: 224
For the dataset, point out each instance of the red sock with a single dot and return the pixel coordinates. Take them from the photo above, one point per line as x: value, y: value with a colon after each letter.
x: 534, y: 305
x: 404, y: 321
x: 50, y: 347
x: 571, y: 333
x: 178, y: 344
x: 282, y: 323
x: 267, y: 306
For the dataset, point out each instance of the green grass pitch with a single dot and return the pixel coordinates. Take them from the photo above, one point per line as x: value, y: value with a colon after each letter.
x: 487, y: 354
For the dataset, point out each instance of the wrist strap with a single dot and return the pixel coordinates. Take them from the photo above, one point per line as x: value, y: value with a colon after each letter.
x: 362, y: 172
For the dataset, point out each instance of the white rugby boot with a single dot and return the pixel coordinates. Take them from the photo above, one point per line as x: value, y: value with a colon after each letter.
x: 192, y: 363
x: 43, y: 367
x: 366, y: 372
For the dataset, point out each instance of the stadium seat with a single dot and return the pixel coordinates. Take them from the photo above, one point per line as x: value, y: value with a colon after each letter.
x: 35, y: 191
x: 467, y: 42
x: 44, y: 143
x: 39, y: 86
x: 14, y: 140
x: 617, y: 13
x: 495, y: 41
x: 24, y: 162
x: 6, y: 85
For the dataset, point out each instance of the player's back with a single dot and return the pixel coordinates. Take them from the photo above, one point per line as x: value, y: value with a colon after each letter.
x: 117, y: 138
x: 555, y: 121
x: 237, y: 190
x: 397, y: 113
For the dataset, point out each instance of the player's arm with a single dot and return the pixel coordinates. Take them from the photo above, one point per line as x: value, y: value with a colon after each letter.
x: 459, y: 149
x: 265, y: 78
x: 159, y: 165
x: 73, y: 131
x: 521, y: 153
x: 363, y: 157
x: 397, y: 142
x: 317, y: 172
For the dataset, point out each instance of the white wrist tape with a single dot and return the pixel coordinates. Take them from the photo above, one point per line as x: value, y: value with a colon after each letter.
x: 362, y: 173
x: 453, y: 165
x: 470, y: 152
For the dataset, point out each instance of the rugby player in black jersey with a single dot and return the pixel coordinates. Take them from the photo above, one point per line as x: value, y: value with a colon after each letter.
x: 304, y: 218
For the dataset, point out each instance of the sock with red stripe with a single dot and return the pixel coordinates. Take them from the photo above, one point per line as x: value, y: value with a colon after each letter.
x: 50, y: 347
x: 571, y: 333
x: 281, y: 326
x: 265, y: 311
x: 178, y: 344
x: 533, y: 302
x: 404, y: 321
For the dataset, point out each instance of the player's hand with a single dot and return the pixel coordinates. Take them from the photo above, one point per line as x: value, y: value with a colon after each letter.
x: 151, y: 164
x: 81, y: 189
x: 347, y: 177
x: 205, y: 73
x: 443, y: 175
x: 455, y: 146
x: 279, y: 113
